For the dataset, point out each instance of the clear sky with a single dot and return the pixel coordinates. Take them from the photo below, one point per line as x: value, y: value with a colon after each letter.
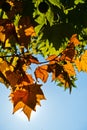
x: 61, y: 110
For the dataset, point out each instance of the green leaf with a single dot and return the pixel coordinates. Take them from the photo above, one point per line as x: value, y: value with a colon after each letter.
x: 50, y: 16
x: 78, y: 1
x: 55, y: 3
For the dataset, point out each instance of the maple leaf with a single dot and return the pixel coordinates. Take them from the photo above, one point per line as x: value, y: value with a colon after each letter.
x: 26, y: 79
x: 27, y: 111
x: 78, y: 64
x: 27, y: 98
x: 42, y: 73
x: 69, y: 69
x: 69, y: 53
x: 12, y: 77
x: 74, y: 40
x: 81, y: 63
x: 59, y: 74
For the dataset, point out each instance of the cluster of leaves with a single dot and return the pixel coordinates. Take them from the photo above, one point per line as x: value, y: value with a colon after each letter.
x: 55, y: 29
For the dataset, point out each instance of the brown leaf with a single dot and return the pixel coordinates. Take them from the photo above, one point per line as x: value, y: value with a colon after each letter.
x: 42, y: 73
x: 27, y: 97
x: 69, y: 53
x: 12, y: 77
x: 7, y: 30
x: 59, y: 74
x: 26, y: 79
x: 23, y: 38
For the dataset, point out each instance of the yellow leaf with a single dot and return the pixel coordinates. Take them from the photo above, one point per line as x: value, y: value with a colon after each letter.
x: 27, y: 110
x: 69, y: 69
x: 78, y: 64
x: 18, y: 106
x: 3, y: 66
x: 82, y: 62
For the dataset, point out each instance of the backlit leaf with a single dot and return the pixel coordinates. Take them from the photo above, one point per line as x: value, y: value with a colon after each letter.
x: 27, y: 97
x: 12, y: 77
x: 41, y: 72
x: 74, y: 40
x: 69, y: 69
x: 27, y: 111
x: 30, y: 31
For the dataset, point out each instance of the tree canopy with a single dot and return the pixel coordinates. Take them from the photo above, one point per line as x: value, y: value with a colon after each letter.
x: 55, y: 29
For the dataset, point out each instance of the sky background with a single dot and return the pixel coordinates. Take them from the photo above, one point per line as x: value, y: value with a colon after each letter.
x: 61, y: 110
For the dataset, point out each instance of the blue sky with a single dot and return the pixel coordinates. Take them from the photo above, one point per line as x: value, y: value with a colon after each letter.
x: 61, y: 110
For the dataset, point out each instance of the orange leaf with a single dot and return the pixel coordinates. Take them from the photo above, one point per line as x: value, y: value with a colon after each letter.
x: 69, y: 69
x: 18, y: 106
x: 41, y: 72
x: 74, y: 40
x: 27, y: 111
x: 2, y: 35
x: 27, y: 97
x: 83, y: 61
x: 30, y: 31
x: 78, y: 64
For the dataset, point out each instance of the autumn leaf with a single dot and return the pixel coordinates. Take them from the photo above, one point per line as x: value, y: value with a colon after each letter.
x: 78, y: 64
x: 69, y: 69
x: 30, y: 31
x: 2, y: 35
x: 81, y: 63
x: 74, y: 40
x: 27, y: 97
x: 41, y: 72
x: 60, y: 74
x: 27, y: 111
x: 69, y: 53
x: 26, y: 79
x: 12, y: 77
x: 23, y: 31
x: 7, y: 30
